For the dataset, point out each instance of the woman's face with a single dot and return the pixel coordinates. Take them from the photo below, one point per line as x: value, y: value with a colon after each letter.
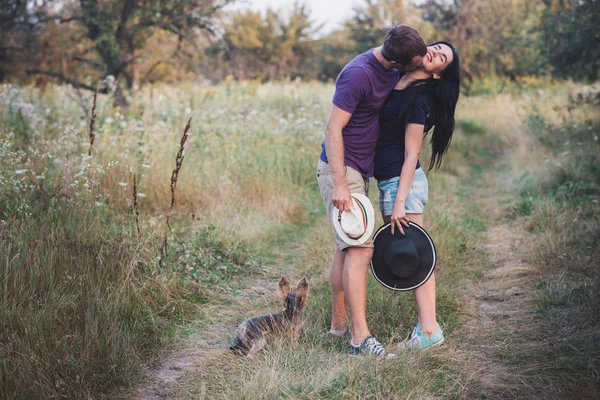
x: 438, y: 57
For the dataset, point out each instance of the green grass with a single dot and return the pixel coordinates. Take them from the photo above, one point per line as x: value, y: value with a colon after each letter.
x: 85, y: 303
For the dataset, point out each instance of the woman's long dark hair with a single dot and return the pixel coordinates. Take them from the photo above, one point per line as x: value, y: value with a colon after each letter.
x: 444, y: 92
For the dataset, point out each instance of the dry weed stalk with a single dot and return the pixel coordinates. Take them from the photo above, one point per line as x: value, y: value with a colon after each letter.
x: 136, y: 210
x: 174, y: 176
x: 92, y: 122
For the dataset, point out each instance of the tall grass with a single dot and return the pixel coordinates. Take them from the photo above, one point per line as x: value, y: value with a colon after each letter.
x: 84, y: 301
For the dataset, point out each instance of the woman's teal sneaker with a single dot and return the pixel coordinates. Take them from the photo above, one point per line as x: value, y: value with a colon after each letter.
x: 419, y: 341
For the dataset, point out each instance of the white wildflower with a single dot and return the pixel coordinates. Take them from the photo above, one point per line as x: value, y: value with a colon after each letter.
x: 123, y: 184
x: 146, y: 166
x: 141, y: 195
x: 187, y: 110
x: 20, y: 171
x: 108, y: 121
x: 40, y: 177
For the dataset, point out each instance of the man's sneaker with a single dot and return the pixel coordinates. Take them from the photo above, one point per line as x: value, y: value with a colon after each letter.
x: 370, y: 347
x: 418, y: 340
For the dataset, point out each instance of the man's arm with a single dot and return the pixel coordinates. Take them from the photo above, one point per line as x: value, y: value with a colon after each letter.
x: 334, y: 146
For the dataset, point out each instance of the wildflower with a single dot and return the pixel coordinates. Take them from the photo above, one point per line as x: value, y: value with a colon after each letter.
x: 108, y: 121
x: 123, y: 184
x: 98, y: 203
x: 40, y: 177
x: 187, y: 110
x: 20, y: 171
x: 141, y: 195
x: 123, y: 124
x: 146, y: 166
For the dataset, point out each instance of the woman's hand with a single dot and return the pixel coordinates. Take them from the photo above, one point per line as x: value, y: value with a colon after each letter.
x: 399, y: 217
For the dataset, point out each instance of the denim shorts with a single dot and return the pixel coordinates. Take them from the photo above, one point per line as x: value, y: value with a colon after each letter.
x: 417, y: 195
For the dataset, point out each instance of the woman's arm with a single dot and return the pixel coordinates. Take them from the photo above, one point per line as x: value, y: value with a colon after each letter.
x: 412, y: 144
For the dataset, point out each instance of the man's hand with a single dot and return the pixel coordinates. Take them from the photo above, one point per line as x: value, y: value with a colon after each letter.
x: 342, y: 199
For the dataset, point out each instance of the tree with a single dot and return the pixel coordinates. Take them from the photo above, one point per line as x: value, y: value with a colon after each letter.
x: 18, y: 30
x: 496, y: 36
x: 372, y: 20
x: 117, y: 32
x: 572, y: 37
x: 269, y: 46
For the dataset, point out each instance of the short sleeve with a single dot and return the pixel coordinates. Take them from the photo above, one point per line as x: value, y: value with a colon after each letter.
x: 419, y: 113
x: 351, y: 87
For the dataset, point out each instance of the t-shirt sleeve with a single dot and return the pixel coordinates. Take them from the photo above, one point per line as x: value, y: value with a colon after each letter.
x: 350, y: 88
x: 419, y: 113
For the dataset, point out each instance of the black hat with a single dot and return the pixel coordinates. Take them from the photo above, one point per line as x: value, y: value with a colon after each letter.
x: 403, y: 262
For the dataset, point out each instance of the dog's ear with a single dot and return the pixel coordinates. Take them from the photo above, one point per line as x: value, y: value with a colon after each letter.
x: 284, y: 289
x: 303, y: 283
x: 302, y: 291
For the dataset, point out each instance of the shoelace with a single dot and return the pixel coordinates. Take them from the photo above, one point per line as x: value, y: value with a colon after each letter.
x: 414, y: 340
x: 374, y: 347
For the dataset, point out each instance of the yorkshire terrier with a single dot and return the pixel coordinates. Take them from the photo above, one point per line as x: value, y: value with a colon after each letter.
x: 251, y: 335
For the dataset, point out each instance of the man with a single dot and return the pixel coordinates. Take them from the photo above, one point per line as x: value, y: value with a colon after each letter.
x: 346, y: 164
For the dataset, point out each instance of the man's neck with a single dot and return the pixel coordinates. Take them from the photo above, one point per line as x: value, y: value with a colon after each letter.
x: 377, y: 53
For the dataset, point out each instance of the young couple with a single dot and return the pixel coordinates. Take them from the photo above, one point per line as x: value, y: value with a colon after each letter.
x: 385, y: 101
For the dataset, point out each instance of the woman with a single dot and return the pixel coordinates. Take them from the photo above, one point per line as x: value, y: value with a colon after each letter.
x: 422, y: 99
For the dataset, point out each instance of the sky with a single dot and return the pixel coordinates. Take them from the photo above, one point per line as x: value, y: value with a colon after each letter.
x: 332, y: 13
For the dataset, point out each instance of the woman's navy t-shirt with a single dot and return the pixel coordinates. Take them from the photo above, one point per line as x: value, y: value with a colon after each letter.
x: 389, y: 153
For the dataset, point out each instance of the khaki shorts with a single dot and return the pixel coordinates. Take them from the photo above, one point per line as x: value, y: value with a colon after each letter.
x: 356, y: 183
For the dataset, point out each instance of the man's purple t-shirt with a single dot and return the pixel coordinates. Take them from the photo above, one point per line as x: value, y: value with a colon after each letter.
x: 361, y: 89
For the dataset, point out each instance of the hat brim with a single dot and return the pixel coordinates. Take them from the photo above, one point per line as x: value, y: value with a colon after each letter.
x: 422, y: 242
x: 370, y: 214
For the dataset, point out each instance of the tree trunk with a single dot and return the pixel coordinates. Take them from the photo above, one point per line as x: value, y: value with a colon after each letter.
x: 120, y: 99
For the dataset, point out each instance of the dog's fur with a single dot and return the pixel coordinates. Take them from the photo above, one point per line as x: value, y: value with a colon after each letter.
x: 251, y: 335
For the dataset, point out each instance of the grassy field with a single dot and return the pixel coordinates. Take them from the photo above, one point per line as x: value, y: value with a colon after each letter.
x: 87, y: 310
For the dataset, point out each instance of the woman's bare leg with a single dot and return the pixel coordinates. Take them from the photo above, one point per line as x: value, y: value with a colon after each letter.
x: 424, y: 294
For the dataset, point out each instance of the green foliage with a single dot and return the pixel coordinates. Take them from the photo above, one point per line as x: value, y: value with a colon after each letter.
x: 209, y: 255
x: 266, y: 47
x: 572, y: 38
x: 79, y: 306
x: 470, y: 127
x: 493, y: 37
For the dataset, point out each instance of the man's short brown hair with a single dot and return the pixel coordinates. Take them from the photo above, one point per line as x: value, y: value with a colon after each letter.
x: 403, y: 43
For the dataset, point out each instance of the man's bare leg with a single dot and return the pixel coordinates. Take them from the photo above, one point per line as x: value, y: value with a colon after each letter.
x: 354, y: 280
x: 339, y: 319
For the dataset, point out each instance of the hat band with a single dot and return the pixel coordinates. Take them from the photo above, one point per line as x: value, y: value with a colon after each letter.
x: 365, y: 219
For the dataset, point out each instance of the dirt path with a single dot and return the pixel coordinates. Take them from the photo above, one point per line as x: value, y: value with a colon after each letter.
x: 498, y: 299
x: 187, y: 358
x: 505, y: 324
